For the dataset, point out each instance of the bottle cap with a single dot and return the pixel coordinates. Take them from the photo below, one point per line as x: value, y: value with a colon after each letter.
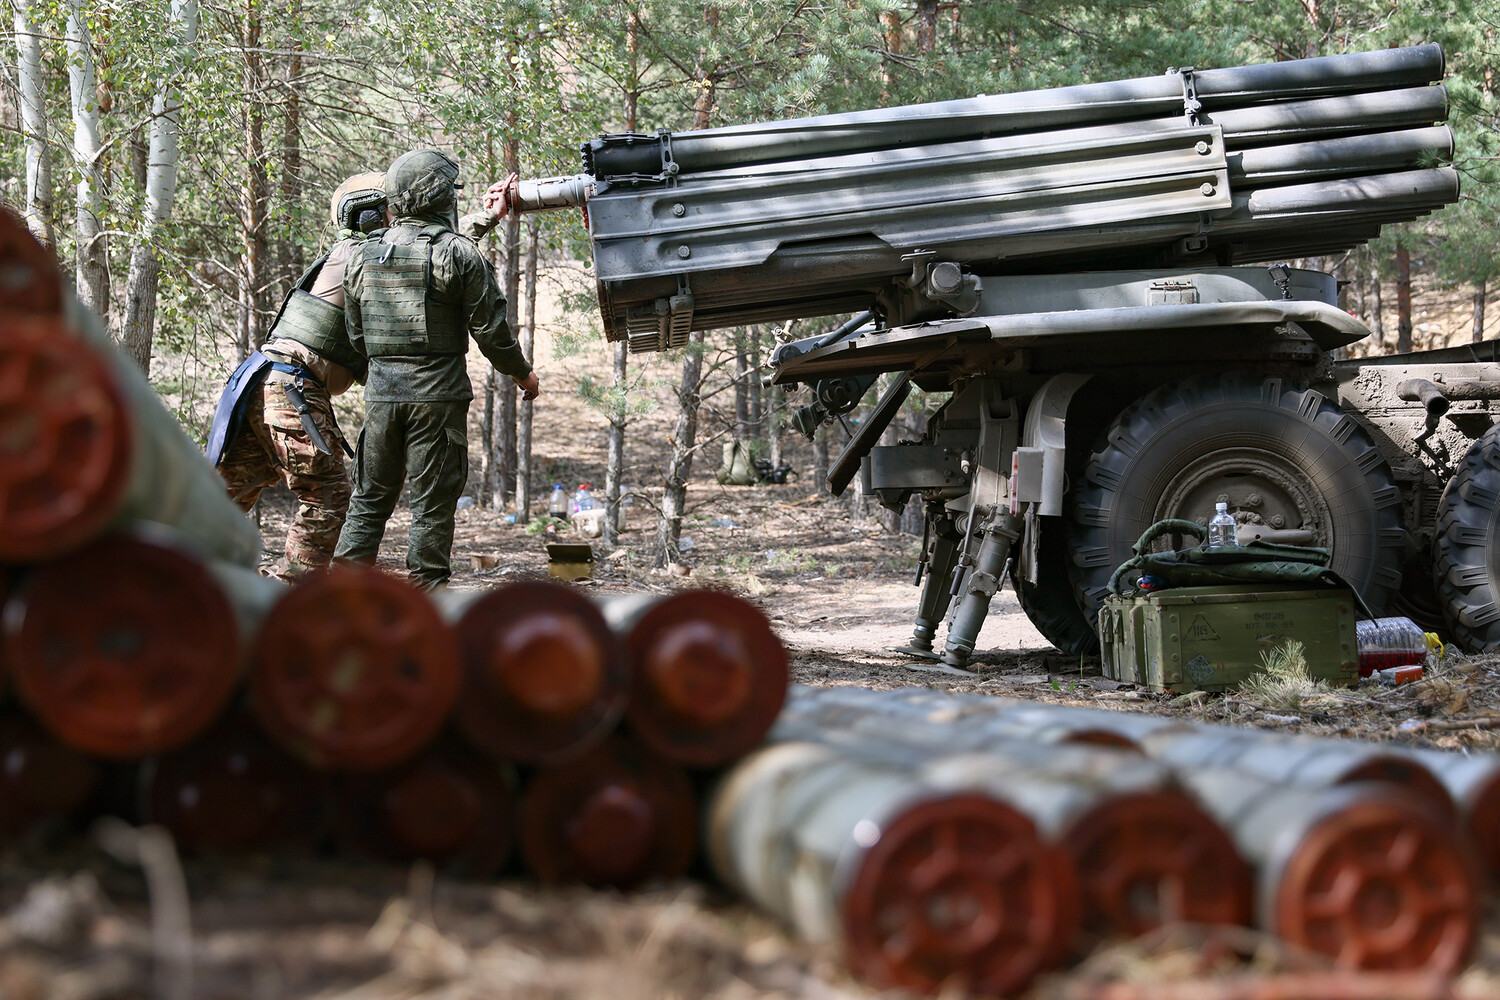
x: 583, y: 486
x: 1221, y: 507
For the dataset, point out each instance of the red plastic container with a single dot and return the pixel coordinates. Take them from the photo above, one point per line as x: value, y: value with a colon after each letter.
x: 1389, y: 642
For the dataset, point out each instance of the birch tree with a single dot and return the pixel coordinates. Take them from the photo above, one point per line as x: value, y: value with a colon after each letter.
x: 92, y: 263
x: 685, y: 433
x: 138, y: 326
x: 254, y: 264
x: 38, y: 207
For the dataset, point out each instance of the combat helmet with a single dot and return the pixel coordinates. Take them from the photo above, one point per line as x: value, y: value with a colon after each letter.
x: 421, y: 183
x: 359, y: 194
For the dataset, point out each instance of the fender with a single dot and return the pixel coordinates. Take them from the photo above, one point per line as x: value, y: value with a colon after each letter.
x: 1041, y: 459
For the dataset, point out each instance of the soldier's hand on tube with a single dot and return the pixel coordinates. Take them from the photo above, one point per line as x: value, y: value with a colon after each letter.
x: 499, y: 197
x: 531, y: 386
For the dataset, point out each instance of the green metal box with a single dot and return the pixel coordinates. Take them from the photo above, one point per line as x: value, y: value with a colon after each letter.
x: 1212, y: 638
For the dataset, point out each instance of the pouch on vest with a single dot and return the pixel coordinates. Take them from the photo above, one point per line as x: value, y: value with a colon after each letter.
x: 229, y: 416
x: 400, y: 315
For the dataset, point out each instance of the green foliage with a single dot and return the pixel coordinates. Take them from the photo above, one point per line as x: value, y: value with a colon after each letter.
x: 613, y: 399
x: 337, y: 88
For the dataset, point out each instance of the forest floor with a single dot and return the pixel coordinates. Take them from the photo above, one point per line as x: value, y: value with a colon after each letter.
x: 79, y: 927
x: 838, y: 589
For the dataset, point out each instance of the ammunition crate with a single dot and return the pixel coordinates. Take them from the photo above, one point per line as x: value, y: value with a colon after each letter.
x: 1212, y: 638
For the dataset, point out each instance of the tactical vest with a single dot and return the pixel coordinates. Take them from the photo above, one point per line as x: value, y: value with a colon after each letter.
x: 316, y: 323
x: 402, y: 313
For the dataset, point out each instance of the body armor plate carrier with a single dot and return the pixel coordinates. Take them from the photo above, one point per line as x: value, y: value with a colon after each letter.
x: 317, y: 323
x: 403, y: 317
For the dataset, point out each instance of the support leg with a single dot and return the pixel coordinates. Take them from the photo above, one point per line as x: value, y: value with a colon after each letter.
x: 937, y: 589
x: 982, y: 584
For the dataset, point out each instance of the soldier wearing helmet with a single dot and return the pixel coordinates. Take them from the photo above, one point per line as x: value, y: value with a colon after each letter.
x: 275, y: 420
x: 414, y: 295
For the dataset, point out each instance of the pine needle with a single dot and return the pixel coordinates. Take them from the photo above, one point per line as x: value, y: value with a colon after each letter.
x: 1283, y: 681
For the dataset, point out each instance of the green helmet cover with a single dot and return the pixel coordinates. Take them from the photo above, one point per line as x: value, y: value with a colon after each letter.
x: 421, y: 183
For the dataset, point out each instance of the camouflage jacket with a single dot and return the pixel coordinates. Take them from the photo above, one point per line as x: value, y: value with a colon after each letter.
x: 459, y: 272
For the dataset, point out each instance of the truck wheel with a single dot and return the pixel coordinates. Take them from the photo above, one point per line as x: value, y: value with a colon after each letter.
x: 1050, y: 602
x: 1280, y: 456
x: 1466, y: 553
x: 1418, y: 598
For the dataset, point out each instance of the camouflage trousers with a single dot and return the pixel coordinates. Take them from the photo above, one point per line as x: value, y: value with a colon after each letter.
x: 273, y: 447
x: 426, y: 443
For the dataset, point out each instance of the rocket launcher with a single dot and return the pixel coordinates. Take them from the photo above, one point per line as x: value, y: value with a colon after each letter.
x: 905, y: 211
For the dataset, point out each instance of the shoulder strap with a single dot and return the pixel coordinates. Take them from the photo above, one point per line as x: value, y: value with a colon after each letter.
x: 311, y: 274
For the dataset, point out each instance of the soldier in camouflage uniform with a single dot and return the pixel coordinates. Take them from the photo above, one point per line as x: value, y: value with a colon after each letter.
x: 312, y: 361
x: 414, y: 296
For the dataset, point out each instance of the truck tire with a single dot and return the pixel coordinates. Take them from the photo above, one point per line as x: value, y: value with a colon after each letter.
x: 1466, y: 552
x: 1050, y: 602
x: 1283, y: 455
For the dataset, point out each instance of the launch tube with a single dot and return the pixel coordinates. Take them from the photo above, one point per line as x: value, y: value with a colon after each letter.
x: 947, y: 121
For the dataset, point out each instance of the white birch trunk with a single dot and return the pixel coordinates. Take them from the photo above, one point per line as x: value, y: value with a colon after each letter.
x: 92, y: 265
x: 138, y: 327
x: 33, y: 124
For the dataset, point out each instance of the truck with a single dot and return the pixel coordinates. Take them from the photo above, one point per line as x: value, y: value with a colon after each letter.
x: 1097, y: 277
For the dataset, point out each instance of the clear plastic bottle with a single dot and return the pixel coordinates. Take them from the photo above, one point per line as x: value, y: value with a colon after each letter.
x: 583, y: 499
x: 1390, y: 642
x: 1222, y: 529
x: 557, y: 503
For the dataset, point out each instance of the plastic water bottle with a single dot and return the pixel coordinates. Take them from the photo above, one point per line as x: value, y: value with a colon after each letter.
x: 1392, y: 642
x: 557, y: 504
x: 1223, y: 530
x: 583, y: 499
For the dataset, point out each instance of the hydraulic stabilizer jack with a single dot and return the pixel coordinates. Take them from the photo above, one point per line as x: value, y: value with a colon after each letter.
x: 980, y: 582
